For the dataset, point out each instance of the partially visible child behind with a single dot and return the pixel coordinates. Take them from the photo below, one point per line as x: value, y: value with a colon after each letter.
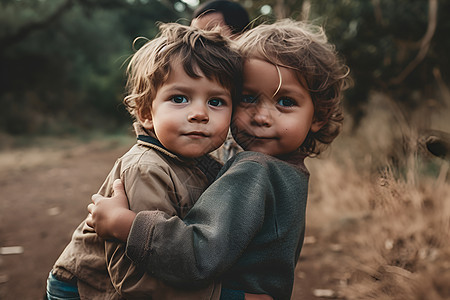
x: 247, y: 228
x: 229, y: 15
x: 181, y: 86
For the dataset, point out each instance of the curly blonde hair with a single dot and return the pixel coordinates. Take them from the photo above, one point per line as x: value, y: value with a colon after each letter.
x: 304, y: 47
x: 196, y: 50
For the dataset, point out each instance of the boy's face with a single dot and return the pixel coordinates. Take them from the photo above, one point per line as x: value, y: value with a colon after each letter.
x: 270, y: 121
x: 189, y: 116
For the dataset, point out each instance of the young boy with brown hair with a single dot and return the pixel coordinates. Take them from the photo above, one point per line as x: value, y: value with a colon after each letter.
x: 247, y: 228
x: 181, y: 87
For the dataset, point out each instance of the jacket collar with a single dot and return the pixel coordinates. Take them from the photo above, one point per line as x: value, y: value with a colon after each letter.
x: 149, y: 139
x: 207, y: 164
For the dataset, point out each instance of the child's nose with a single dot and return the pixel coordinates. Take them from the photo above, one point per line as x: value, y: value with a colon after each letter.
x: 198, y: 113
x: 263, y: 116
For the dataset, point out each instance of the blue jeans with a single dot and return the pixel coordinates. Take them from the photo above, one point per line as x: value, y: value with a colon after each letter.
x: 61, y: 290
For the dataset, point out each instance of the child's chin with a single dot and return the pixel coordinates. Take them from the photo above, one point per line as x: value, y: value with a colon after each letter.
x: 195, y: 153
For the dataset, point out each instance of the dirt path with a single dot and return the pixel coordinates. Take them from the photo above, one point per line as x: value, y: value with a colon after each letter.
x: 44, y: 194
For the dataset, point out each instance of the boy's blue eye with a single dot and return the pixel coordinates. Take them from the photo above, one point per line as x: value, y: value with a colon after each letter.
x: 286, y: 102
x: 248, y: 99
x: 179, y: 99
x: 216, y: 102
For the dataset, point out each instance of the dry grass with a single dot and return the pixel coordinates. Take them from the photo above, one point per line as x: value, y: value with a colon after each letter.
x: 386, y: 203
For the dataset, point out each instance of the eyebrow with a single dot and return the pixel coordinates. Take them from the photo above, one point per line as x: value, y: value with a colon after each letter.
x: 186, y: 89
x: 297, y: 90
x: 281, y: 91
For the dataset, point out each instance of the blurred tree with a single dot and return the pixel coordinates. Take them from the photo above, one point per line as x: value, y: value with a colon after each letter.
x: 390, y: 46
x: 61, y: 61
x: 394, y: 47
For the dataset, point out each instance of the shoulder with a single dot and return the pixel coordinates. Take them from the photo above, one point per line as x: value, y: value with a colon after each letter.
x: 250, y: 156
x: 140, y: 157
x: 268, y: 162
x: 248, y: 166
x: 147, y: 162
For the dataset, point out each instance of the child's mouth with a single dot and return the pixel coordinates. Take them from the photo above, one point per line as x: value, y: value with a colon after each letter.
x: 196, y: 134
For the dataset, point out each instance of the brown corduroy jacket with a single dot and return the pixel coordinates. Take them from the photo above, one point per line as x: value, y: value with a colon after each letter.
x: 154, y: 179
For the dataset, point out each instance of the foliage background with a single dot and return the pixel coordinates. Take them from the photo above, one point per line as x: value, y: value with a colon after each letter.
x: 62, y: 61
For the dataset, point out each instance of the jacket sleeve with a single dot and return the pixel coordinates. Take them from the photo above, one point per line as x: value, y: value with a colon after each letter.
x: 211, y: 237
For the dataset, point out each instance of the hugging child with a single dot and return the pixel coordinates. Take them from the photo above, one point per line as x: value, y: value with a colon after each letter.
x: 247, y: 228
x: 181, y: 86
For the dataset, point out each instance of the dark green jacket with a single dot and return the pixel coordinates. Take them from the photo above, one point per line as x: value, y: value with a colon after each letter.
x: 247, y: 228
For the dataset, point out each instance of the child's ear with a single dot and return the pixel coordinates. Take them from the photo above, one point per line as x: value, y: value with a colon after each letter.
x: 145, y: 117
x: 317, y: 124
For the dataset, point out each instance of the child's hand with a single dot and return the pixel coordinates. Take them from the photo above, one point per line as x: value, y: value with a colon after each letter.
x: 111, y: 217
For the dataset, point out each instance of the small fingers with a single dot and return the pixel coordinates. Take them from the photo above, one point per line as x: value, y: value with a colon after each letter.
x: 91, y: 207
x: 89, y: 221
x: 118, y: 188
x: 96, y: 197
